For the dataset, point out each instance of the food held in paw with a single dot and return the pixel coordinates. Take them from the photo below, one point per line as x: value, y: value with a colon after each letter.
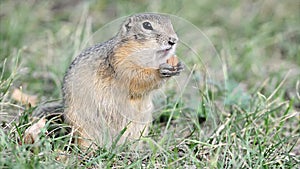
x: 173, y: 60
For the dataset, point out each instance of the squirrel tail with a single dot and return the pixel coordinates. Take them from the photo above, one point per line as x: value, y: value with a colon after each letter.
x: 49, y: 110
x: 53, y: 112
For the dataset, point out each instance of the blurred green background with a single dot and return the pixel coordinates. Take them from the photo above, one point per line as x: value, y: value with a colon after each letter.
x: 255, y: 38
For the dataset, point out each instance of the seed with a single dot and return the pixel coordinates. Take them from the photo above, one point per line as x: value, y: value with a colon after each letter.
x: 173, y: 61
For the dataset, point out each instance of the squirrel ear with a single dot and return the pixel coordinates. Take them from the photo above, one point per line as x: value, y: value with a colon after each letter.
x: 127, y: 25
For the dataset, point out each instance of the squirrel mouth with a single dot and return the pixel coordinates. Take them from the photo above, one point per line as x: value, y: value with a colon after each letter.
x: 166, y: 51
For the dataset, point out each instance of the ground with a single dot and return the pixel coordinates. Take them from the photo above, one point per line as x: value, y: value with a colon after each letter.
x: 235, y: 106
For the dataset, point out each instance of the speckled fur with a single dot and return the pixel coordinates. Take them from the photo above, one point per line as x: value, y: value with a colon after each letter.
x: 109, y: 86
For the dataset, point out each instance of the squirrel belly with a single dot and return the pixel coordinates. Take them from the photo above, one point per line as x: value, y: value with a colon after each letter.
x: 101, y: 104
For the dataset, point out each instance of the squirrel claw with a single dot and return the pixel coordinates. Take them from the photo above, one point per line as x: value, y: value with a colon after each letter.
x: 180, y: 67
x: 167, y: 70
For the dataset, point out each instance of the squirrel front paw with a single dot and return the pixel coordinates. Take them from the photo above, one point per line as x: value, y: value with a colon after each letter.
x: 167, y: 70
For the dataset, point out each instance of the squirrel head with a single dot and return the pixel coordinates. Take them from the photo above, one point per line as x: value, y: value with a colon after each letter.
x: 155, y: 36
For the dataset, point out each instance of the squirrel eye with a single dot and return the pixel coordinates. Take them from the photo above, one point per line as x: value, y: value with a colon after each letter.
x: 147, y: 25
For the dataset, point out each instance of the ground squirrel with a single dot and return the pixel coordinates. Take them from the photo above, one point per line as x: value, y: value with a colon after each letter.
x: 109, y: 86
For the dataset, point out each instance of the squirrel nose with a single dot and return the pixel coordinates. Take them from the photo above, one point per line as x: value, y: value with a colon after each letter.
x: 172, y: 41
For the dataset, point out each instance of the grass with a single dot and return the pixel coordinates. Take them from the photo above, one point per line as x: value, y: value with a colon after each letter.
x: 236, y: 105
